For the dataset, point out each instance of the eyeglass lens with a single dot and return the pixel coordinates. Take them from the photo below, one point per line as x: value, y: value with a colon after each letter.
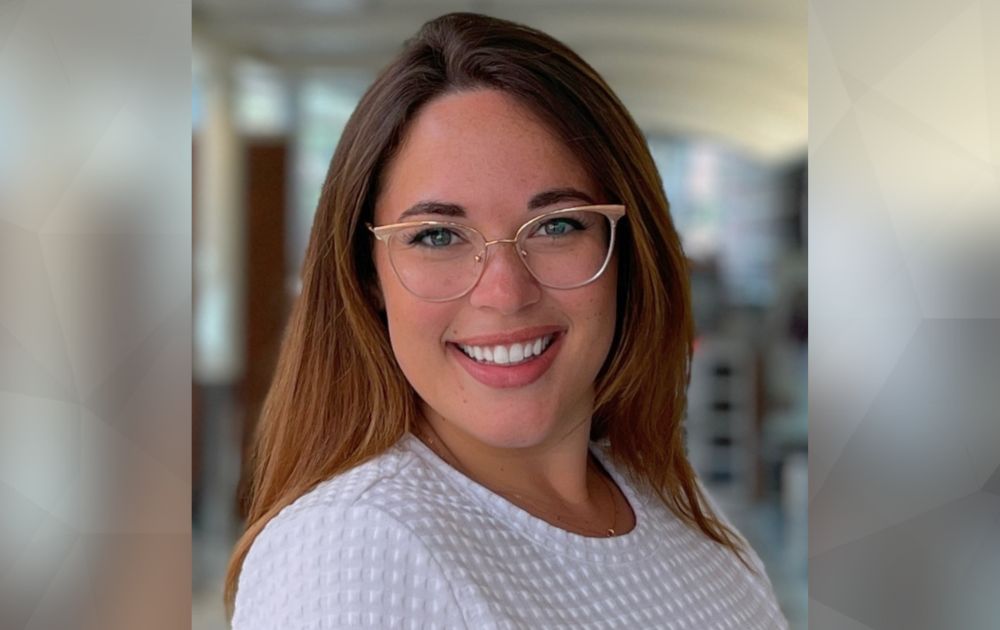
x: 561, y: 251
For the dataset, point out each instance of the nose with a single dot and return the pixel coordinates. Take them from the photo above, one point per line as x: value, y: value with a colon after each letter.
x: 506, y: 285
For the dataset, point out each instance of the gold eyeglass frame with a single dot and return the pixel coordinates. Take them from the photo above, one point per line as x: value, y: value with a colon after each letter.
x: 613, y: 212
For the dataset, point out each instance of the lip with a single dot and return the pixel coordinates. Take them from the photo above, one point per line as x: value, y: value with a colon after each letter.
x: 505, y: 339
x: 508, y: 376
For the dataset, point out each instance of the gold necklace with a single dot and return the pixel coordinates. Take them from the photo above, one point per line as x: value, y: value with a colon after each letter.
x: 453, y: 460
x: 614, y: 504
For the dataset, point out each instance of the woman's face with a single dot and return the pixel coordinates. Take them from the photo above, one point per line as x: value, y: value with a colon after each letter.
x: 488, y: 161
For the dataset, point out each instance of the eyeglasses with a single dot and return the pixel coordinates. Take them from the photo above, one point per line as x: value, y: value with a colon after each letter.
x: 440, y: 261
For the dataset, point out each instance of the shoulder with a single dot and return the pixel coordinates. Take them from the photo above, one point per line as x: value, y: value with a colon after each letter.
x: 337, y: 558
x: 758, y: 575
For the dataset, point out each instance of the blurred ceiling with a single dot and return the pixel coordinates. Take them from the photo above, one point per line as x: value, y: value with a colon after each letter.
x: 733, y: 71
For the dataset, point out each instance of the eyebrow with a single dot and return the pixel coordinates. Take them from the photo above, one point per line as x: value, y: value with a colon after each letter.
x: 541, y: 200
x: 558, y: 195
x: 433, y: 207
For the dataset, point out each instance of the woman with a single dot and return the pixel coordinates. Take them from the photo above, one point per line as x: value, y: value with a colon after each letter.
x: 476, y: 417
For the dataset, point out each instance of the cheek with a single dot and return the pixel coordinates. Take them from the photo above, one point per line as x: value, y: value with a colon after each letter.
x: 416, y: 329
x: 399, y: 304
x: 603, y: 316
x: 415, y: 325
x: 593, y: 312
x: 605, y: 299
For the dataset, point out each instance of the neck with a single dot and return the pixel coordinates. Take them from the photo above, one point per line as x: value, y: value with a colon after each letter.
x: 552, y: 481
x: 555, y: 472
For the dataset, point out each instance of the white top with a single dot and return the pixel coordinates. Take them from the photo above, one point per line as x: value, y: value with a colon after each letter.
x: 406, y: 541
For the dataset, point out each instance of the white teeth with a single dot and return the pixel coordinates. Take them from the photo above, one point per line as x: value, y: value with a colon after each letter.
x: 500, y: 355
x: 507, y: 355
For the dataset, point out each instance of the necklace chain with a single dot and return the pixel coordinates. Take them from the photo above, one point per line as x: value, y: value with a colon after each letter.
x: 432, y: 442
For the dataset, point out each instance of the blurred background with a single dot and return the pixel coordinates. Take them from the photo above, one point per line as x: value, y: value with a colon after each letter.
x: 720, y: 91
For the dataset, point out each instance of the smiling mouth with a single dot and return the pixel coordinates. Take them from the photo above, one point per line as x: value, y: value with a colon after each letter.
x: 508, y: 354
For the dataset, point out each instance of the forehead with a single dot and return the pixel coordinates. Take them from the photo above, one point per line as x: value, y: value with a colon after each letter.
x: 483, y: 150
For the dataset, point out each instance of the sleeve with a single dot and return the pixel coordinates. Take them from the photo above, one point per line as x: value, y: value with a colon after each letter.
x: 323, y: 568
x: 761, y: 579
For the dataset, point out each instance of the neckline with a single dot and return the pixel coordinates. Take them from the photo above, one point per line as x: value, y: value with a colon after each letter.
x: 638, y: 543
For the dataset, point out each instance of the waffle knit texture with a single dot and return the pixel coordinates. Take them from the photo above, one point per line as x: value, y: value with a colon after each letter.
x: 406, y: 541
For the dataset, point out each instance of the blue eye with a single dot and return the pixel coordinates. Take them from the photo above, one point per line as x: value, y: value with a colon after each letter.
x: 559, y: 226
x: 433, y: 238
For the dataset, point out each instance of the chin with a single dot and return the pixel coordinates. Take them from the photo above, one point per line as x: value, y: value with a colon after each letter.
x: 515, y: 429
x: 505, y: 419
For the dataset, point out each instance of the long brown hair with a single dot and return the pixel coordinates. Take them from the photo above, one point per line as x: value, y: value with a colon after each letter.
x: 339, y: 399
